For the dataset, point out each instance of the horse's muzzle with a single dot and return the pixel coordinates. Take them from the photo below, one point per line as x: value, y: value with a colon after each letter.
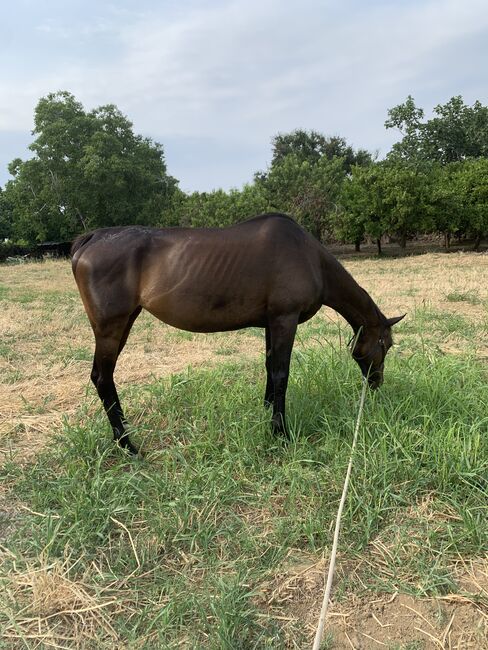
x: 375, y: 380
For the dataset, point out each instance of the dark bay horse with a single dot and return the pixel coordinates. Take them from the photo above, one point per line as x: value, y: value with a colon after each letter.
x: 265, y: 272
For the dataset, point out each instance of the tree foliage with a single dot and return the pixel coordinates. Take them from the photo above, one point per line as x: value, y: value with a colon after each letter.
x: 219, y: 208
x: 305, y: 177
x: 89, y: 169
x: 471, y: 187
x: 385, y: 197
x: 455, y: 133
x: 5, y: 216
x: 312, y: 146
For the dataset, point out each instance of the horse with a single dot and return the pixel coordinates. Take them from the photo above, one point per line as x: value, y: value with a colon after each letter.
x: 266, y: 272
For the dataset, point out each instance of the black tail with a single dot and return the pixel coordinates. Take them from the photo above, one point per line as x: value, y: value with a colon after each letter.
x: 80, y: 241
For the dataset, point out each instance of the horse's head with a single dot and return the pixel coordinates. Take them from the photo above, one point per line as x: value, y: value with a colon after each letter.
x: 369, y: 348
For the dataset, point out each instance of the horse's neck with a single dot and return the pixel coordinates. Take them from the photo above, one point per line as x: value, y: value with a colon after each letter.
x: 344, y: 295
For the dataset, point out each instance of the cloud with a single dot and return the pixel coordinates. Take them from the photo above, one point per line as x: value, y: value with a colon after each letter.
x: 263, y: 66
x: 235, y: 73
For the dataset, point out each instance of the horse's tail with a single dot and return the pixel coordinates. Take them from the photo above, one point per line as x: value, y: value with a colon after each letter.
x: 80, y: 241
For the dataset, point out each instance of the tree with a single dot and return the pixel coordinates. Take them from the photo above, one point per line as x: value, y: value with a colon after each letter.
x: 357, y: 208
x: 385, y: 197
x: 405, y: 200
x: 305, y: 177
x: 455, y: 133
x: 364, y: 210
x: 219, y: 208
x: 407, y: 118
x: 88, y: 170
x: 471, y: 186
x: 444, y: 203
x: 308, y: 191
x: 5, y: 216
x: 312, y: 146
x: 206, y: 209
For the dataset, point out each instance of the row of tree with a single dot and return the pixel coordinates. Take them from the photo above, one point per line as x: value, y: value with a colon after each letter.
x: 89, y: 170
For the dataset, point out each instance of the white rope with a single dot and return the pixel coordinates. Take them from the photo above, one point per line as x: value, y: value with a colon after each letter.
x: 325, y: 603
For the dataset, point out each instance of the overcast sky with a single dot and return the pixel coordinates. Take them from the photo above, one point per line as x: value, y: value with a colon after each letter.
x: 213, y: 81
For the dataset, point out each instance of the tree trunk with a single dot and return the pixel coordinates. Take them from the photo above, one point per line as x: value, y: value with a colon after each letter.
x: 378, y: 243
x: 477, y: 242
x: 403, y: 241
x: 357, y: 245
x: 447, y: 240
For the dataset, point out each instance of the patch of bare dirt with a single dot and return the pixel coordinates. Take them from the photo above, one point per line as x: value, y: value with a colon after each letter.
x: 456, y: 621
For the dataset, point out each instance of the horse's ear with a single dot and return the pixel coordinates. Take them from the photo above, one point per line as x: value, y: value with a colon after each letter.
x: 393, y: 321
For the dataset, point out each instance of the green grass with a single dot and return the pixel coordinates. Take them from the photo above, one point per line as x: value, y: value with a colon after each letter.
x: 470, y: 297
x: 185, y: 537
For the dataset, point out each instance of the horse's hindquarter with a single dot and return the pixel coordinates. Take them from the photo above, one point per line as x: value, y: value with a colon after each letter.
x: 215, y: 280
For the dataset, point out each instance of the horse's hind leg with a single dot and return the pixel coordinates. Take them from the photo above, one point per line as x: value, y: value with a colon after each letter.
x: 110, y: 339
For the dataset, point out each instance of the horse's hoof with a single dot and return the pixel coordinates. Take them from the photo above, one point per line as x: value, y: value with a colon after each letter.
x: 280, y: 429
x: 128, y: 446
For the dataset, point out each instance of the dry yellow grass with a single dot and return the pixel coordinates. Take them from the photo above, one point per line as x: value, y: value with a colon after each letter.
x: 56, y: 610
x: 404, y: 284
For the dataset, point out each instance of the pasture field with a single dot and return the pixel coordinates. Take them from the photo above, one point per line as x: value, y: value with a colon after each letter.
x: 219, y: 535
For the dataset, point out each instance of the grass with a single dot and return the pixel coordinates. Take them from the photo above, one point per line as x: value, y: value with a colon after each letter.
x: 218, y: 536
x: 464, y: 296
x: 186, y: 538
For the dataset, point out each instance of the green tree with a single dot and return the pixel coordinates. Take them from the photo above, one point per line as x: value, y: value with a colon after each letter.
x: 219, y: 208
x: 89, y: 169
x: 5, y: 216
x: 364, y: 209
x: 206, y: 209
x: 407, y: 118
x: 312, y: 146
x: 305, y: 177
x: 471, y: 186
x: 357, y: 209
x: 384, y: 198
x: 456, y: 132
x: 248, y: 202
x: 405, y: 200
x: 308, y: 191
x: 35, y: 215
x: 444, y: 202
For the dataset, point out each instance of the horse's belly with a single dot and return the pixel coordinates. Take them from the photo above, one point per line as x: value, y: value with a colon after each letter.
x: 208, y: 314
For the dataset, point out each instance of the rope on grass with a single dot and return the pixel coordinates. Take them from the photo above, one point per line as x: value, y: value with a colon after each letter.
x: 325, y: 603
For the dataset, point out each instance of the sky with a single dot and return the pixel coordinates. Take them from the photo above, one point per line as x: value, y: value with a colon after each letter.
x: 214, y: 81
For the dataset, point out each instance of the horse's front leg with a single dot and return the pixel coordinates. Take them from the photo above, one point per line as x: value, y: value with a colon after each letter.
x: 269, y: 391
x: 282, y: 335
